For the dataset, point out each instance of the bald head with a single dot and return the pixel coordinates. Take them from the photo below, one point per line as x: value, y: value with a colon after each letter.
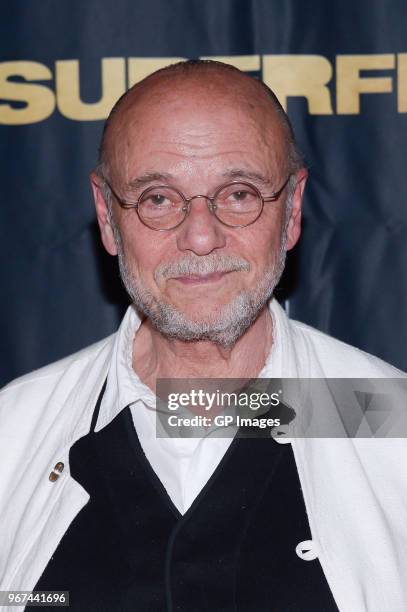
x: 198, y: 83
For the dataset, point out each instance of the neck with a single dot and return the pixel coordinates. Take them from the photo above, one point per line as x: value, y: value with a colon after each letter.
x: 155, y: 356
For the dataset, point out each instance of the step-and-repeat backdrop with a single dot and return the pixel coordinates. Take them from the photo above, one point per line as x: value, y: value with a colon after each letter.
x: 340, y: 69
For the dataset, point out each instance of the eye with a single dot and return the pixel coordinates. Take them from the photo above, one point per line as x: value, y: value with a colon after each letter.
x: 236, y: 196
x: 240, y: 195
x: 157, y: 199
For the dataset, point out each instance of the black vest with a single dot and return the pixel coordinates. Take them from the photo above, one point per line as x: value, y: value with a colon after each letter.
x: 129, y: 548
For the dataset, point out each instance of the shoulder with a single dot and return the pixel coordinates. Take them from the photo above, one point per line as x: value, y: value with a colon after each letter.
x: 338, y: 359
x: 57, y: 391
x: 50, y: 374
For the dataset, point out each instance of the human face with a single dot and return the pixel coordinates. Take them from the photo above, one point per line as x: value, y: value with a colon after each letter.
x: 202, y: 280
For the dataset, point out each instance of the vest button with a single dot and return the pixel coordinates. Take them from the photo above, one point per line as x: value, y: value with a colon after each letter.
x: 307, y: 550
x: 279, y: 434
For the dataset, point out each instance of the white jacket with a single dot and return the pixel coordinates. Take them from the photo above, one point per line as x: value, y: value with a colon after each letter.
x: 355, y: 490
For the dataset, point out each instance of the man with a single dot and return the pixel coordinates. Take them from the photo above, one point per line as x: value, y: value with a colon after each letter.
x: 198, y: 191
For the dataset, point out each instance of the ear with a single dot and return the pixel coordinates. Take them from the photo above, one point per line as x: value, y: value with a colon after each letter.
x: 294, y: 224
x: 102, y: 213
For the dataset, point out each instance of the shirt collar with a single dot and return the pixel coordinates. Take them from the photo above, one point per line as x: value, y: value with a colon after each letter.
x: 282, y: 360
x: 124, y: 387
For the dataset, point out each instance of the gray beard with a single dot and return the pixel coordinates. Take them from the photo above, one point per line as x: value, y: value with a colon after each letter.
x: 231, y: 320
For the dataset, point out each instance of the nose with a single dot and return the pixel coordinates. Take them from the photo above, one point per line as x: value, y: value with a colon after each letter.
x: 201, y: 232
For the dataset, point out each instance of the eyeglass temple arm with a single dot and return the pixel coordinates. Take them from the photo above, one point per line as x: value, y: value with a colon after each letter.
x: 120, y: 200
x: 274, y: 196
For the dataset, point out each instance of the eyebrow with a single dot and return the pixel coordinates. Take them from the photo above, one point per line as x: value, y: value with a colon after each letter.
x: 242, y: 173
x: 149, y: 177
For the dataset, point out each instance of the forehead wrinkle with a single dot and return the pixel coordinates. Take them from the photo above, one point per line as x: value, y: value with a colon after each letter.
x: 209, y: 117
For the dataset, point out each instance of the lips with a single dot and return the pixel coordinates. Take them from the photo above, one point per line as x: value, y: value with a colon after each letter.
x: 198, y: 279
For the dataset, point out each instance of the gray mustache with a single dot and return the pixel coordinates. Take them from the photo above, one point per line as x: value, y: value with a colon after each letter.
x: 201, y: 266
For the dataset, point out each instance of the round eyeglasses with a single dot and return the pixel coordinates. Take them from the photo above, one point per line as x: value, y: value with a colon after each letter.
x: 235, y: 204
